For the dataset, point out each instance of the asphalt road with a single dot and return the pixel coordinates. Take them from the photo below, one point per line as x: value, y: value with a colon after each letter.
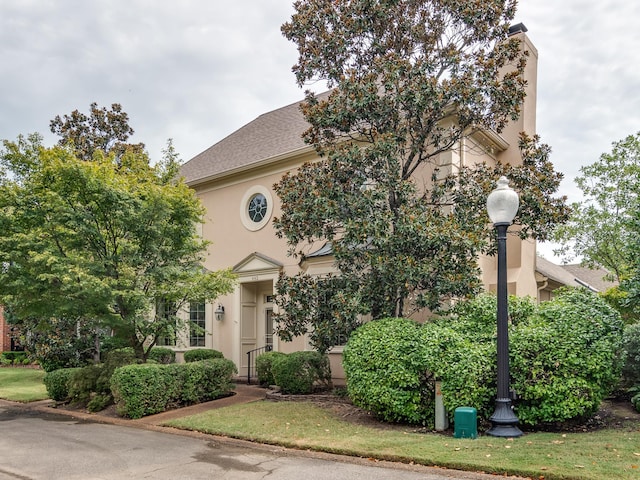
x: 37, y: 445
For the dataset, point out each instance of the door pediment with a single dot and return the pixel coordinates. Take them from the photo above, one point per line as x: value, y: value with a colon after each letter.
x: 257, y: 263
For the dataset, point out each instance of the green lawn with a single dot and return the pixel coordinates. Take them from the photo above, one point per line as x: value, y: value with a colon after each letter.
x: 594, y: 455
x: 22, y: 384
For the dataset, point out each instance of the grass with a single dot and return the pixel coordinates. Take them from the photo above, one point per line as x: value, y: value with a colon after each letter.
x: 611, y: 453
x: 22, y: 384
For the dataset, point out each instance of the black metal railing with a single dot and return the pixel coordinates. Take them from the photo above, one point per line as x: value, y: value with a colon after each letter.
x: 251, y: 359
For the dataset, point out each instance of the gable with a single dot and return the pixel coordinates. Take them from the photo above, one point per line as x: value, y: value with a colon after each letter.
x: 257, y: 262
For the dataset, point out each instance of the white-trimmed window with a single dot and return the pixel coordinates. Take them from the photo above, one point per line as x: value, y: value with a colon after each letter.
x: 197, y: 324
x: 256, y: 208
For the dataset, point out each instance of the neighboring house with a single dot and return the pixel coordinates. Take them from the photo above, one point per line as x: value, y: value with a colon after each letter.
x: 5, y: 331
x: 550, y: 277
x: 234, y: 180
x: 9, y: 341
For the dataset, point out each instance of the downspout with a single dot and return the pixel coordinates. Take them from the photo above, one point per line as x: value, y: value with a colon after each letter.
x: 542, y: 287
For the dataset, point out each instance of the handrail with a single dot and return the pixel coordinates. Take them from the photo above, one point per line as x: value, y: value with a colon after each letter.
x: 250, y: 363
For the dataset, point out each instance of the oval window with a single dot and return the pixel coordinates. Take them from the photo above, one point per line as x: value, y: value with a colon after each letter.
x: 257, y: 208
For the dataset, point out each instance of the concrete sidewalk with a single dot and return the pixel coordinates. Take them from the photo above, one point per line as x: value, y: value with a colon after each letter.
x: 243, y: 394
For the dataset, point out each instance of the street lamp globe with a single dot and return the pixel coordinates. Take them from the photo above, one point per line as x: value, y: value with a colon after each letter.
x: 502, y: 203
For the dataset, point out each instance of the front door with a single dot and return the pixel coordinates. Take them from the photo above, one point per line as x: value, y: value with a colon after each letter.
x: 256, y: 322
x: 268, y: 328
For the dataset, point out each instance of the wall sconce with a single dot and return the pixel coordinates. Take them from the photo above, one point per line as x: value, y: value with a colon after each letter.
x: 219, y: 312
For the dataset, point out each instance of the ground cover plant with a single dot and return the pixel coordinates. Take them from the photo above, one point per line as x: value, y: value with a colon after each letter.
x: 22, y: 384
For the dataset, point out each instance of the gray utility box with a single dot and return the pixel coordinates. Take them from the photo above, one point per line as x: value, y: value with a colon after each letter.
x: 465, y: 421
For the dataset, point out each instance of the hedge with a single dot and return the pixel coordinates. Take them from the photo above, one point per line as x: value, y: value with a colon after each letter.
x: 264, y: 367
x: 631, y: 347
x: 298, y: 373
x: 201, y: 354
x: 57, y: 383
x: 565, y: 358
x: 157, y: 354
x: 14, y: 358
x: 145, y: 389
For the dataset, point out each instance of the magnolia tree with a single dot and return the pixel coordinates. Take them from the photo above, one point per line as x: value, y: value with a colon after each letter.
x: 409, y: 79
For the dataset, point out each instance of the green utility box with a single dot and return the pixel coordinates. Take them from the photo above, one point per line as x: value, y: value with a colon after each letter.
x: 465, y: 421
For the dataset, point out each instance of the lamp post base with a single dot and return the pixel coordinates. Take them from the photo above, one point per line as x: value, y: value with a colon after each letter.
x: 503, y: 421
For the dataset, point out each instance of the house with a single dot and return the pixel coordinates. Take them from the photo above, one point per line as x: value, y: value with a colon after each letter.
x: 9, y: 340
x: 550, y: 277
x: 234, y: 180
x: 5, y: 332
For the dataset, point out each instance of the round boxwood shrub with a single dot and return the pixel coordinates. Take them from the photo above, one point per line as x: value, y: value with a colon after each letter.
x: 264, y: 367
x: 199, y: 354
x: 297, y: 373
x: 57, y: 383
x: 162, y: 355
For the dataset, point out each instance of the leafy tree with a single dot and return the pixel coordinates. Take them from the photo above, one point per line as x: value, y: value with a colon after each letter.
x: 410, y: 78
x: 600, y: 229
x: 98, y: 242
x: 104, y: 130
x: 627, y: 295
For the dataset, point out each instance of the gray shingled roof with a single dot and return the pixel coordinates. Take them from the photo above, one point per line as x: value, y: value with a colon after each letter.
x: 592, y: 277
x: 555, y: 272
x: 574, y: 275
x: 270, y: 135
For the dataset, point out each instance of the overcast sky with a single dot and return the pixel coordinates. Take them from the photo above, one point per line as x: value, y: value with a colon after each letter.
x: 196, y: 70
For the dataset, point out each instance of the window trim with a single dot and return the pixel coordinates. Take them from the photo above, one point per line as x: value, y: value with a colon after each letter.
x: 248, y: 223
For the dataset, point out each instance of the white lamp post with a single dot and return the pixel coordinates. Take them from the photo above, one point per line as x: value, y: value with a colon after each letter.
x: 502, y: 206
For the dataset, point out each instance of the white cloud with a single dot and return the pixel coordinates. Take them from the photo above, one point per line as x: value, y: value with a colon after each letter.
x: 196, y: 70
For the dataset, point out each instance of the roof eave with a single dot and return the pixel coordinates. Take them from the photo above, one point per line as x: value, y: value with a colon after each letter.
x: 250, y: 166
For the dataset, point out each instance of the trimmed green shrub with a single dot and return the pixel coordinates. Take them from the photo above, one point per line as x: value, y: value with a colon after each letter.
x: 82, y: 383
x: 201, y: 354
x: 466, y: 368
x: 162, y: 355
x: 140, y: 390
x: 387, y: 371
x: 566, y: 359
x: 206, y: 380
x: 14, y: 358
x: 631, y: 348
x: 157, y: 354
x: 145, y: 389
x: 56, y: 383
x: 264, y: 367
x: 297, y: 373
